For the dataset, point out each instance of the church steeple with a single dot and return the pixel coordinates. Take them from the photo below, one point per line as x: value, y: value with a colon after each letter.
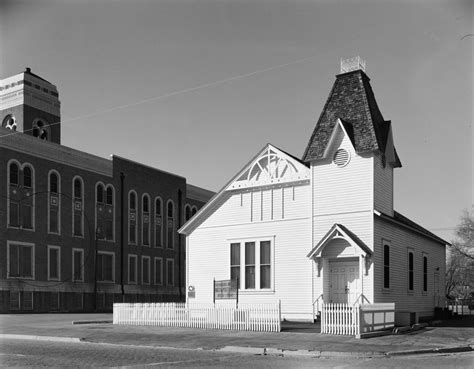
x: 353, y: 102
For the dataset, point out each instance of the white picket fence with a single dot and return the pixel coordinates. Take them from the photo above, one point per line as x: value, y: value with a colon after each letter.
x: 340, y: 319
x: 261, y: 317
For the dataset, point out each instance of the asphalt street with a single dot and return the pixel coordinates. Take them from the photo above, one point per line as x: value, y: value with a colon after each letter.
x: 30, y: 353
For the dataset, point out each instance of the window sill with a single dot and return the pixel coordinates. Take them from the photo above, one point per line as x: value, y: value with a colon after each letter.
x: 54, y: 279
x: 386, y: 290
x: 78, y: 281
x: 108, y: 282
x: 257, y: 292
x: 55, y: 233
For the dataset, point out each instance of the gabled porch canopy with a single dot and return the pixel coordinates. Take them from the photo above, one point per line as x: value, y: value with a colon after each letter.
x: 341, y: 232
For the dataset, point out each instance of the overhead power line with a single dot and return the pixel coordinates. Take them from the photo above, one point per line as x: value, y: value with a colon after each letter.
x: 170, y: 94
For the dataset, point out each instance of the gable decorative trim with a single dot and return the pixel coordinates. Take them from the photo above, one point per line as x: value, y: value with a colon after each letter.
x: 271, y: 166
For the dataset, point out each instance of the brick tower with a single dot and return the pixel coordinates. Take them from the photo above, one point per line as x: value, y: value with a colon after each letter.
x: 30, y: 104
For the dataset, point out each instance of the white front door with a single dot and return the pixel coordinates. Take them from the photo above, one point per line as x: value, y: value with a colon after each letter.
x: 344, y: 281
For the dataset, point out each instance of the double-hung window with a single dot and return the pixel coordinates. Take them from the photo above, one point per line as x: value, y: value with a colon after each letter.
x: 105, y: 266
x: 21, y: 260
x: 78, y: 265
x: 251, y: 264
x: 145, y: 270
x: 54, y: 263
x: 132, y: 269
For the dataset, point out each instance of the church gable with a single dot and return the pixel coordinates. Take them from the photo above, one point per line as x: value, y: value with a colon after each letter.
x: 271, y: 166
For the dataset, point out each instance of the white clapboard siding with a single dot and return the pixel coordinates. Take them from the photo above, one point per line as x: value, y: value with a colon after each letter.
x: 342, y: 189
x: 249, y: 317
x: 209, y: 249
x: 401, y: 239
x: 383, y: 186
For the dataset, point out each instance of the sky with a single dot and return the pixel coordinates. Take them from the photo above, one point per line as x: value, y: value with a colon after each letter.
x: 197, y: 88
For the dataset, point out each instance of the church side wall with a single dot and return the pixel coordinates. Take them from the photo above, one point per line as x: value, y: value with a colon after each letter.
x: 401, y: 241
x: 238, y: 221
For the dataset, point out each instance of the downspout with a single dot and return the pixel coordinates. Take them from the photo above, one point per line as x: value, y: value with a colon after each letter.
x: 180, y: 205
x: 122, y: 231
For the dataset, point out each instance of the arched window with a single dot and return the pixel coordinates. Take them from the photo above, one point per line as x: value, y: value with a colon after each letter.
x: 78, y: 206
x: 10, y: 122
x: 54, y: 208
x: 27, y: 180
x: 132, y: 217
x: 100, y: 193
x: 386, y: 266
x: 20, y: 200
x: 194, y: 211
x: 146, y: 220
x: 27, y: 202
x: 77, y: 189
x: 132, y: 201
x: 158, y: 223
x: 108, y: 216
x: 411, y: 267
x: 53, y: 183
x: 425, y: 274
x: 187, y: 212
x: 14, y: 174
x: 109, y: 198
x: 170, y: 225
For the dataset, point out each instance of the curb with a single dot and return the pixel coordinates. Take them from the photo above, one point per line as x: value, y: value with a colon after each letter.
x: 297, y: 353
x: 431, y: 351
x: 74, y: 322
x: 40, y: 338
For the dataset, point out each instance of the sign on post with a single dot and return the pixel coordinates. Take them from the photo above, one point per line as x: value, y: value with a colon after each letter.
x: 226, y: 290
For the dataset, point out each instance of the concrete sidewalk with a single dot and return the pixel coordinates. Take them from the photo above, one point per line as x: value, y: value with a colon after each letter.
x: 295, y: 339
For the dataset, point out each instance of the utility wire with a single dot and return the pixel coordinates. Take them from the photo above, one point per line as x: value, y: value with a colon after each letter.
x: 199, y: 87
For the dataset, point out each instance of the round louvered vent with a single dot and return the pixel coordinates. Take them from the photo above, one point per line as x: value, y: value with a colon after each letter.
x: 341, y: 158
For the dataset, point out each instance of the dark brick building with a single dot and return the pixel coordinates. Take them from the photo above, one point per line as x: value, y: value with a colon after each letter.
x: 78, y: 232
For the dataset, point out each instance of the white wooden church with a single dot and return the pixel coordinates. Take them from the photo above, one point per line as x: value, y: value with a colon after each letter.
x: 322, y: 228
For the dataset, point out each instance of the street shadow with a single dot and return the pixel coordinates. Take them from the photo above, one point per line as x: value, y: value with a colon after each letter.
x: 460, y: 321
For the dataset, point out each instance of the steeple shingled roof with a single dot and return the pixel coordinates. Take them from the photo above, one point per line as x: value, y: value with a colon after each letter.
x: 351, y: 100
